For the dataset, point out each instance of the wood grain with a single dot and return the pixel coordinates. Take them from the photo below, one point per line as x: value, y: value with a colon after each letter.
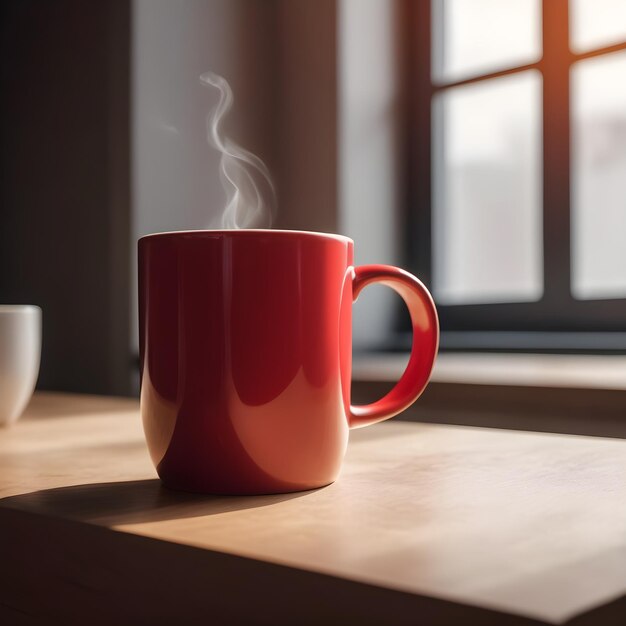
x: 493, y: 526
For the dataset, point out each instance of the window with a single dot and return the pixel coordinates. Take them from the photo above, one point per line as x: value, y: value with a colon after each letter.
x: 518, y: 161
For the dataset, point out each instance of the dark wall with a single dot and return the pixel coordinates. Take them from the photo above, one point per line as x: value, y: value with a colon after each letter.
x: 64, y: 217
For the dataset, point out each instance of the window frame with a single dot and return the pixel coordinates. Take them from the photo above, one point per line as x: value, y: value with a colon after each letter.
x: 471, y: 326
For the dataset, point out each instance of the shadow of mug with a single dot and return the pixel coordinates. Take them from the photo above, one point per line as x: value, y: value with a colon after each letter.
x: 134, y: 502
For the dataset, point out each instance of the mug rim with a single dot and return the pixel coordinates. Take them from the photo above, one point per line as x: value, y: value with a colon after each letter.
x: 13, y: 309
x: 248, y: 231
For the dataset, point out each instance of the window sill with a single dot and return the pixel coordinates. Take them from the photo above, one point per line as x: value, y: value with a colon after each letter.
x: 576, y: 394
x: 524, y: 370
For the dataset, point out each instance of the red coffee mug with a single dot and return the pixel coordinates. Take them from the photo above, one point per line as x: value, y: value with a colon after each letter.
x: 246, y: 343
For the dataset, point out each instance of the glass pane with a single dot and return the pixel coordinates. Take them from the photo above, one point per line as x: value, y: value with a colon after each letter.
x: 472, y: 37
x: 487, y: 216
x: 597, y: 23
x: 599, y: 177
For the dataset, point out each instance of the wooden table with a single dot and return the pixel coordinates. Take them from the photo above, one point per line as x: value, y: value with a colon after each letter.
x: 427, y: 524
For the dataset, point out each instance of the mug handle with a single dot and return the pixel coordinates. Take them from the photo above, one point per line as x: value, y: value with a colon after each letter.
x: 425, y: 325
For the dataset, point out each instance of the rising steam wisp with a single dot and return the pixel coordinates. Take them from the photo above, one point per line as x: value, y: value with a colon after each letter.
x: 250, y: 193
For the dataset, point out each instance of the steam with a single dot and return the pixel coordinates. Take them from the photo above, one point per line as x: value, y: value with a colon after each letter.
x: 251, y: 198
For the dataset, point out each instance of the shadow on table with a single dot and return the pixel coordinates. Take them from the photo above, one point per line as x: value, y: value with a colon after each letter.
x: 134, y: 502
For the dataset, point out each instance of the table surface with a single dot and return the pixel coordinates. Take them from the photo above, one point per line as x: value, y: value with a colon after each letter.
x: 529, y: 525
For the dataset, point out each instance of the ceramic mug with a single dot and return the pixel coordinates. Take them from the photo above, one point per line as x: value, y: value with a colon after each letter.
x: 245, y: 348
x: 20, y: 351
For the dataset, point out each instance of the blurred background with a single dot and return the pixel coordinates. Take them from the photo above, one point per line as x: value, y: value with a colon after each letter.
x: 481, y: 144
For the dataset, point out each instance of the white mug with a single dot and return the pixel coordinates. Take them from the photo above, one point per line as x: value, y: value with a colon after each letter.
x: 20, y: 352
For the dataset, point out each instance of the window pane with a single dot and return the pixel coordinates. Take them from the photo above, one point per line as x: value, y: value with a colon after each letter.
x: 599, y: 177
x: 597, y: 23
x: 487, y: 216
x: 472, y: 37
